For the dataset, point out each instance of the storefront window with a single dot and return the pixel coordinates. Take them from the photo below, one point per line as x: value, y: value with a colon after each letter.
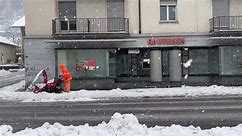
x: 230, y: 60
x: 204, y: 61
x: 213, y: 61
x: 199, y: 63
x: 87, y: 63
x: 98, y: 63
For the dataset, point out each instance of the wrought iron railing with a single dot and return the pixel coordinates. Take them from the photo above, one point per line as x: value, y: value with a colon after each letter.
x: 90, y: 25
x: 226, y: 23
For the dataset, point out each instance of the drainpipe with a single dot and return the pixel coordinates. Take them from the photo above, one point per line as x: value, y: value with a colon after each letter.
x: 139, y: 17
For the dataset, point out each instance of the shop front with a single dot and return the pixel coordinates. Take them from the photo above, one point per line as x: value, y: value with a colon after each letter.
x: 149, y: 62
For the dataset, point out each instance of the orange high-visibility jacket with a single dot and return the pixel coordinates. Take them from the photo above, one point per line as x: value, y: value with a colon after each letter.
x: 65, y: 73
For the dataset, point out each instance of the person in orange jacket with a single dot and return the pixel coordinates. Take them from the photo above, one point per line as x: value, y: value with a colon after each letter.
x: 67, y: 78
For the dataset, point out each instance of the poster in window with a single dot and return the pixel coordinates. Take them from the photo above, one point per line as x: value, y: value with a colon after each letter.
x: 83, y: 64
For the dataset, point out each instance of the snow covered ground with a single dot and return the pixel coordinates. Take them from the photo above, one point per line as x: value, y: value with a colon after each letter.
x: 9, y: 93
x: 120, y: 125
x: 4, y: 72
x: 11, y: 71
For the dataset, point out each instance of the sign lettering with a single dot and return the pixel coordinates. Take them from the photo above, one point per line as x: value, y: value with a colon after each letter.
x: 165, y: 41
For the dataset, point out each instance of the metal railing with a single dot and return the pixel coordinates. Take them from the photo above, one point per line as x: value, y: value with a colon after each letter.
x: 90, y: 25
x: 226, y: 23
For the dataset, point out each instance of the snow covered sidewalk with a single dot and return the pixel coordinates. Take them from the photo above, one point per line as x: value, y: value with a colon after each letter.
x: 9, y: 93
x: 120, y: 125
x: 4, y: 72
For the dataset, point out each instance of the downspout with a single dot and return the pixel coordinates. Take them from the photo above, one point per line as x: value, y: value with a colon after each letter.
x: 139, y: 17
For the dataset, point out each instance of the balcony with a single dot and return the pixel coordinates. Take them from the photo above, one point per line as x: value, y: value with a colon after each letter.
x: 226, y: 26
x: 90, y: 27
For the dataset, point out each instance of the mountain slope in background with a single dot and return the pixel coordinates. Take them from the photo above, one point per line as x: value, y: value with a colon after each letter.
x: 10, y: 11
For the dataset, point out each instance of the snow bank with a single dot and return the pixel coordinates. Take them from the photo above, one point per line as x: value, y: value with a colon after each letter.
x: 9, y: 93
x: 4, y: 72
x: 19, y: 23
x: 120, y: 125
x: 6, y: 41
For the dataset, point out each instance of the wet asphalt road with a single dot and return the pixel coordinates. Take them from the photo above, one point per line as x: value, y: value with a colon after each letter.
x: 206, y: 112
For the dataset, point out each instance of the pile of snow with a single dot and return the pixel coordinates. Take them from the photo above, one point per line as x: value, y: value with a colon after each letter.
x: 4, y: 72
x: 19, y: 23
x: 120, y: 125
x: 6, y: 41
x: 9, y: 93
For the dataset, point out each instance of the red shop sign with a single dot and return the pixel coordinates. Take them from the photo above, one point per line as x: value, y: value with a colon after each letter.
x: 163, y: 41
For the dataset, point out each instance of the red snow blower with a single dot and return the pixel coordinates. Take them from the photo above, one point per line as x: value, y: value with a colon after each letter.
x: 41, y: 84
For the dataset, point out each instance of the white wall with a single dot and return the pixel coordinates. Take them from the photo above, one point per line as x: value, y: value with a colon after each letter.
x: 192, y: 16
x: 235, y: 7
x: 8, y: 52
x: 38, y: 17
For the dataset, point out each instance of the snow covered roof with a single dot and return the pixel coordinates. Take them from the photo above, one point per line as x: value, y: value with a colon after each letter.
x: 6, y: 41
x: 19, y: 23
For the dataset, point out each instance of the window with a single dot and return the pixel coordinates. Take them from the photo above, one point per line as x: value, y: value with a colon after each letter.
x: 199, y: 65
x: 86, y: 63
x: 67, y: 14
x: 168, y: 10
x: 230, y: 63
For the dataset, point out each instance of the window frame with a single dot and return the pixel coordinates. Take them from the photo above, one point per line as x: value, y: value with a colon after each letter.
x: 70, y: 21
x: 167, y: 12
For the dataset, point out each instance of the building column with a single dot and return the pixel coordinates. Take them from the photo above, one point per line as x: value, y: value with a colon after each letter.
x: 155, y: 66
x: 175, y: 69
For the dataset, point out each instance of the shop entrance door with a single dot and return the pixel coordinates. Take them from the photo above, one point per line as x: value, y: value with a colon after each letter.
x: 127, y: 65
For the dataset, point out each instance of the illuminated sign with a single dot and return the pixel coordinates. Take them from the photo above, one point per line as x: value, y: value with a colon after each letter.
x: 166, y: 41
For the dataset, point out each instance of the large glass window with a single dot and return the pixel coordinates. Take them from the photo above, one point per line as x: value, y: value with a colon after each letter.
x: 199, y: 63
x: 230, y: 60
x: 100, y: 63
x: 203, y: 61
x: 168, y: 10
x: 87, y: 63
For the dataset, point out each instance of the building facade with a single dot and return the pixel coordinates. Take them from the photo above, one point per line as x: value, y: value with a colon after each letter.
x: 7, y: 51
x: 135, y: 43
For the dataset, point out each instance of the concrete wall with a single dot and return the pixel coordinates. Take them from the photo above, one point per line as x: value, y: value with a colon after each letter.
x: 39, y: 55
x: 192, y: 16
x: 132, y: 12
x: 235, y: 7
x: 38, y: 17
x: 8, y: 52
x: 91, y: 8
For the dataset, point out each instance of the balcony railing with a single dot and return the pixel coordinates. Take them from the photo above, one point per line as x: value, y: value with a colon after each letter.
x: 226, y: 24
x: 90, y: 25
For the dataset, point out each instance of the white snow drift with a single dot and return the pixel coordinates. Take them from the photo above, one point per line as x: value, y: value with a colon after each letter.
x: 120, y: 125
x: 4, y: 72
x: 9, y: 93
